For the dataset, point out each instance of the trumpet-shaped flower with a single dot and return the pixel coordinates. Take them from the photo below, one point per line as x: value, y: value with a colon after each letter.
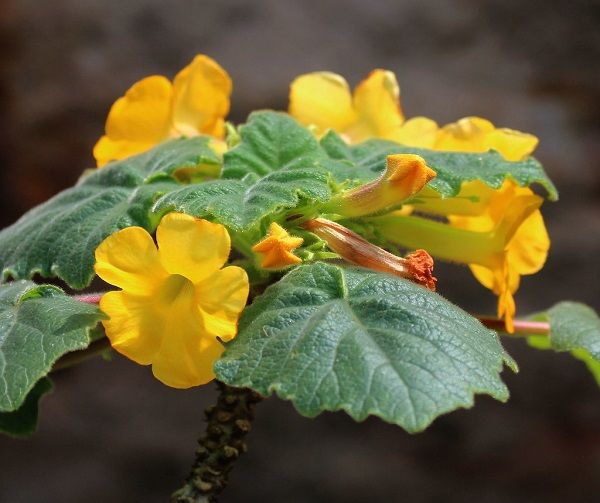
x: 323, y: 100
x: 176, y: 300
x: 154, y: 110
x: 506, y: 240
x: 277, y: 248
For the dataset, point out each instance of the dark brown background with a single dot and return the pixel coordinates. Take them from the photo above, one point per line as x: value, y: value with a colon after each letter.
x: 111, y: 433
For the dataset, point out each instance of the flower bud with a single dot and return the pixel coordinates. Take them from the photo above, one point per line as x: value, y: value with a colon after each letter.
x: 417, y: 267
x: 404, y: 176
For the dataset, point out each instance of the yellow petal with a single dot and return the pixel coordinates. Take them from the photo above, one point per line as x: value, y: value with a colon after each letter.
x: 376, y: 101
x: 465, y: 135
x: 222, y: 297
x: 129, y: 259
x: 322, y: 99
x: 529, y: 247
x: 187, y: 353
x: 136, y: 120
x: 186, y: 361
x: 416, y: 132
x: 134, y: 328
x: 513, y: 145
x: 192, y: 247
x: 201, y: 98
x: 107, y: 150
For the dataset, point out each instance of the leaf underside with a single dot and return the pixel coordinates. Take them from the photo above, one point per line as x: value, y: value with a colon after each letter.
x: 38, y: 324
x: 23, y: 421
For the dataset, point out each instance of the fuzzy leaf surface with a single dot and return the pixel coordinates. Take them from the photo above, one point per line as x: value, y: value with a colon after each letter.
x: 574, y: 327
x: 58, y: 238
x: 452, y: 168
x: 241, y: 204
x: 330, y: 338
x: 38, y: 324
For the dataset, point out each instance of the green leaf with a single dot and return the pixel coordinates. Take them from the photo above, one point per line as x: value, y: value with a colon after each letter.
x: 574, y: 327
x: 276, y: 166
x: 330, y: 338
x: 452, y: 168
x: 241, y: 204
x: 58, y: 238
x: 23, y: 421
x: 271, y: 141
x: 38, y: 324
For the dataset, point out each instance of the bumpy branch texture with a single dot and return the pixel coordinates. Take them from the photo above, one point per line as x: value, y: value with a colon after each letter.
x: 229, y: 421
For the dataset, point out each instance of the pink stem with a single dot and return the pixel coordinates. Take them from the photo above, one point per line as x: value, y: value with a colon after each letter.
x: 89, y: 298
x: 522, y: 327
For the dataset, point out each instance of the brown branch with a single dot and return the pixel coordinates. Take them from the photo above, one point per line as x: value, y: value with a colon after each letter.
x: 229, y: 421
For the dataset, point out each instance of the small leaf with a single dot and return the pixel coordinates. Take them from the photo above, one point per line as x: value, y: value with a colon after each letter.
x: 574, y: 327
x: 38, y: 324
x: 271, y: 141
x: 330, y: 338
x: 23, y: 421
x: 452, y: 168
x: 58, y: 238
x: 241, y: 204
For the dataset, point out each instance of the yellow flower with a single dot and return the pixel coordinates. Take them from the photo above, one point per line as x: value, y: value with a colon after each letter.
x: 154, y: 110
x: 474, y: 134
x: 500, y: 242
x: 277, y: 248
x: 323, y: 100
x: 524, y: 253
x: 175, y: 300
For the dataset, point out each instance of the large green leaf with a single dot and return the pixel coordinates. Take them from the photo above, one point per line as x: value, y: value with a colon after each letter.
x: 58, y: 238
x: 38, y: 324
x: 277, y: 165
x: 332, y: 338
x: 452, y: 168
x: 23, y: 421
x: 574, y: 327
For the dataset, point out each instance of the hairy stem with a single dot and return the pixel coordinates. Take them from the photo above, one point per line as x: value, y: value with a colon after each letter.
x: 229, y: 421
x: 96, y: 348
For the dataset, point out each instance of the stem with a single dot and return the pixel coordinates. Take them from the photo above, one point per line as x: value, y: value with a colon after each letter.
x: 97, y: 347
x: 229, y: 421
x: 89, y: 298
x: 522, y: 327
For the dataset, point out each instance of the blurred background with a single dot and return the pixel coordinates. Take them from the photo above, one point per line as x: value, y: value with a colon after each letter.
x: 110, y: 432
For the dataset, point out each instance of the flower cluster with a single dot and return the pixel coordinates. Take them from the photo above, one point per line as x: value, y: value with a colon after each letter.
x: 177, y: 303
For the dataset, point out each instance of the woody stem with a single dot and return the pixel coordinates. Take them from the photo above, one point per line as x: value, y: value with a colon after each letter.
x: 229, y: 421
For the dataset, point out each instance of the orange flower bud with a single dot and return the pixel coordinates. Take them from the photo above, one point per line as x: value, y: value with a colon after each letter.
x: 417, y: 267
